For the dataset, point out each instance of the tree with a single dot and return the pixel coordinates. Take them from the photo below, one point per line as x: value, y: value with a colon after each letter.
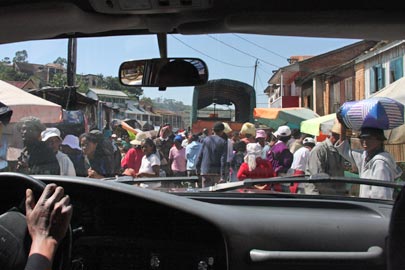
x: 21, y: 57
x: 113, y: 83
x: 6, y: 60
x: 147, y: 101
x: 133, y: 91
x: 58, y: 80
x: 7, y: 73
x: 61, y: 61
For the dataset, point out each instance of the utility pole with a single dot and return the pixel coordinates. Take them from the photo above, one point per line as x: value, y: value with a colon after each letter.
x: 71, y: 61
x: 71, y: 70
x: 254, y: 75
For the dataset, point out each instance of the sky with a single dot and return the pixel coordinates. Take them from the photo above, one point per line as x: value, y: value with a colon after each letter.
x: 228, y: 56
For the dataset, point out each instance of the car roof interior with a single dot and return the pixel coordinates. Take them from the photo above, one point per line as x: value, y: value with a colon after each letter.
x: 43, y: 19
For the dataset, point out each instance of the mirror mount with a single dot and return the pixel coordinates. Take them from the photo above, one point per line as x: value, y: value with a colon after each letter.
x: 162, y: 43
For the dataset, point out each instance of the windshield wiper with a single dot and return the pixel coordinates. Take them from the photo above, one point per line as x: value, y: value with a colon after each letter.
x: 319, y: 178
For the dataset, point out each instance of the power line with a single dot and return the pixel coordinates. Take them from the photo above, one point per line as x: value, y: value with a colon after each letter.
x: 245, y: 53
x: 206, y: 55
x: 265, y: 71
x: 260, y: 81
x: 261, y: 47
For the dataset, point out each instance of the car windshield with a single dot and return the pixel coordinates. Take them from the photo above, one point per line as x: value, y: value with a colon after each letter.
x: 268, y: 99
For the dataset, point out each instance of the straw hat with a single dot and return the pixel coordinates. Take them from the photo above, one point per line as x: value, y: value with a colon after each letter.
x: 140, y: 136
x: 227, y: 128
x: 336, y: 128
x: 248, y: 128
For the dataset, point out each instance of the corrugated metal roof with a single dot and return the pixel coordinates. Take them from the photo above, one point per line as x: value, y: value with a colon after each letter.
x: 106, y: 92
x: 135, y: 110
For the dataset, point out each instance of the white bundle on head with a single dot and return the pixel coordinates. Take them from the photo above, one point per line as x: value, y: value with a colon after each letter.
x: 253, y: 150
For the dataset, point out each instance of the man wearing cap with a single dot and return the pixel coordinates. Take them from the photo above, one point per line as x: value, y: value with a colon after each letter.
x: 324, y: 158
x: 300, y: 160
x: 211, y: 162
x: 36, y: 157
x: 132, y: 160
x: 373, y: 162
x: 51, y: 136
x: 279, y: 154
x: 301, y: 157
x: 177, y: 157
x: 70, y: 146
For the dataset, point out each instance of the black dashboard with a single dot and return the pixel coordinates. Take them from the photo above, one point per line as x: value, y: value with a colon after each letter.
x: 117, y: 231
x: 119, y: 226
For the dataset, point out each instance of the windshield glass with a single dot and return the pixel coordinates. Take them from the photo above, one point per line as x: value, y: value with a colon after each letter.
x: 267, y: 111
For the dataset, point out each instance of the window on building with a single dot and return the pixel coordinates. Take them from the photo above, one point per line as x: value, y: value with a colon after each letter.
x: 396, y: 69
x: 349, y: 89
x: 334, y: 98
x: 307, y: 101
x: 377, y: 81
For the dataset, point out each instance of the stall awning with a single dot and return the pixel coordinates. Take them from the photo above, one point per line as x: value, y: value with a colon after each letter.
x: 319, y: 124
x: 394, y: 91
x: 275, y: 117
x: 25, y: 104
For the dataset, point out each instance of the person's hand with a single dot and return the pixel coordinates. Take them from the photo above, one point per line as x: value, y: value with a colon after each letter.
x: 129, y: 172
x: 48, y: 220
x: 93, y: 174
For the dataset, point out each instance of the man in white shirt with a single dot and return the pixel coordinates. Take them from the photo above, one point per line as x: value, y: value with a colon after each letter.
x: 300, y: 158
x: 300, y: 161
x: 51, y: 136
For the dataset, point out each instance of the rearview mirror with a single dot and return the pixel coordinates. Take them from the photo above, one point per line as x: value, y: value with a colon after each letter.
x: 164, y: 72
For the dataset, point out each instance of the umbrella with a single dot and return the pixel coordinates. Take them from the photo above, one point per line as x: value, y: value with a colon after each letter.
x: 315, y: 125
x: 275, y: 117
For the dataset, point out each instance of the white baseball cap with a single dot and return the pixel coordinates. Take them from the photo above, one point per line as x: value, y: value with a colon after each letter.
x: 283, y: 131
x: 308, y: 140
x: 72, y: 141
x: 50, y: 132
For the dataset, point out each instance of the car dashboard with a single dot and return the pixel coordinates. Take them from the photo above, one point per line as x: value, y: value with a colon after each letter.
x: 117, y: 231
x: 119, y: 226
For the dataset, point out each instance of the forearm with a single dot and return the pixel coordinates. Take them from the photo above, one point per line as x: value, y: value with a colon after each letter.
x: 144, y: 174
x: 46, y: 248
x: 38, y: 262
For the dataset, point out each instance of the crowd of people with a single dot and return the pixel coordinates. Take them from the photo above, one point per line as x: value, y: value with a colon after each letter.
x: 215, y: 155
x: 222, y: 155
